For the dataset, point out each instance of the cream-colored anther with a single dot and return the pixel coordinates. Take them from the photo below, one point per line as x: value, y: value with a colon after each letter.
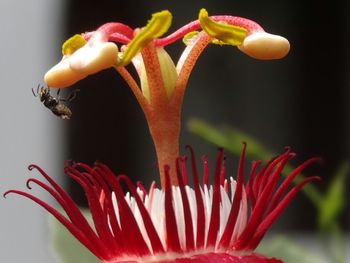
x: 94, y: 56
x: 61, y: 75
x: 265, y: 46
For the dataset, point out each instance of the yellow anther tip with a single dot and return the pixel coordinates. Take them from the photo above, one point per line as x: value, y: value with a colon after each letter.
x: 224, y: 33
x: 165, y: 14
x: 159, y: 24
x: 156, y: 27
x: 72, y: 44
x: 265, y: 46
x: 203, y: 13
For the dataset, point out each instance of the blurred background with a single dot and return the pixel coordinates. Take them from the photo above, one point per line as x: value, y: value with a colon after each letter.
x: 300, y: 101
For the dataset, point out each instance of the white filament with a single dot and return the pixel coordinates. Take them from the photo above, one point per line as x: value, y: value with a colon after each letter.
x: 154, y: 203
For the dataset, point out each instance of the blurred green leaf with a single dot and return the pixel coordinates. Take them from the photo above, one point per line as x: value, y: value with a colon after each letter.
x: 290, y: 251
x: 66, y: 247
x: 332, y: 202
x: 231, y: 139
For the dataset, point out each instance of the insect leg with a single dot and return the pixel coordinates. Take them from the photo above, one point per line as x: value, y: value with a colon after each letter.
x: 72, y: 95
x: 58, y: 93
x: 35, y: 95
x: 37, y: 91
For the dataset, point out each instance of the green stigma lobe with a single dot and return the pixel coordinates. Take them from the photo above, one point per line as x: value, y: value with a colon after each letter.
x: 72, y: 44
x: 156, y: 27
x: 226, y: 34
x: 189, y: 36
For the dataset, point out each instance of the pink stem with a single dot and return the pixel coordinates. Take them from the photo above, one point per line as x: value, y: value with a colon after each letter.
x: 134, y: 87
x: 250, y: 25
x: 186, y: 64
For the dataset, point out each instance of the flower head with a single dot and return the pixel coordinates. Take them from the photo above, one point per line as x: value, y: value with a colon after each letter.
x: 219, y: 222
x: 222, y: 222
x: 162, y: 82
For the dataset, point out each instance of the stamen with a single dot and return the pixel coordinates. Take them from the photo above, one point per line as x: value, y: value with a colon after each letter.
x: 227, y: 34
x: 72, y: 44
x: 156, y: 27
x: 193, y: 26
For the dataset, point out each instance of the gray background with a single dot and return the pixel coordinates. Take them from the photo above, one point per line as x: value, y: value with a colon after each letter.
x: 30, y: 31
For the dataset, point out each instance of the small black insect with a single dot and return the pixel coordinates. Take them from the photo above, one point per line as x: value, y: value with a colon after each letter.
x: 56, y: 105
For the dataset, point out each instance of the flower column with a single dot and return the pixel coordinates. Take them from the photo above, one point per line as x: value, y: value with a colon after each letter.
x: 161, y: 84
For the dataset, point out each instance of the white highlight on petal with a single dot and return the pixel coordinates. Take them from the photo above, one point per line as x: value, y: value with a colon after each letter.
x: 242, y: 217
x: 207, y: 196
x: 225, y: 207
x: 116, y: 208
x: 193, y: 207
x: 179, y: 215
x: 154, y: 203
x: 157, y: 213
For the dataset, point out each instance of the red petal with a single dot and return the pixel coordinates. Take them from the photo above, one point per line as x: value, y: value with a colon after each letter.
x: 186, y: 205
x: 214, y: 222
x: 199, y: 202
x: 224, y: 258
x: 172, y: 236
